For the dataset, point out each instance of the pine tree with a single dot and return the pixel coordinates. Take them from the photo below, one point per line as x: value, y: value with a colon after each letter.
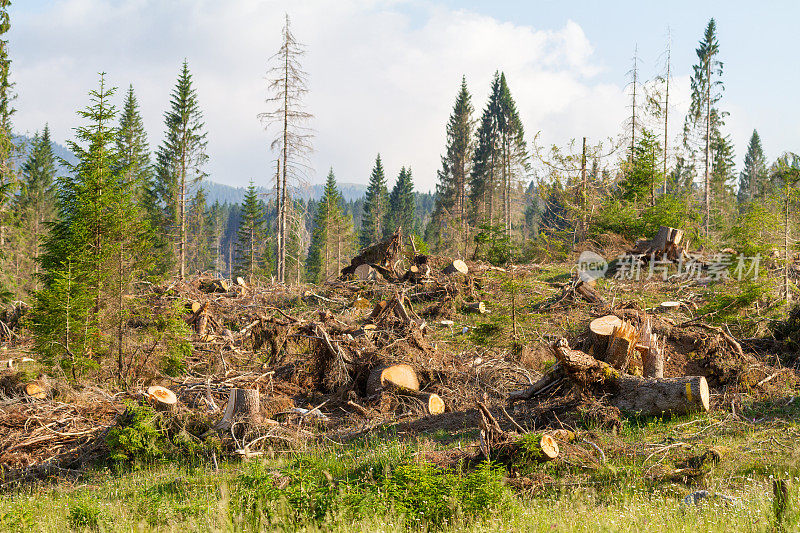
x: 251, y: 262
x: 401, y: 212
x: 93, y: 252
x: 35, y: 205
x: 8, y: 178
x: 179, y: 163
x: 132, y: 147
x: 376, y: 204
x: 703, y: 114
x: 449, y: 216
x: 332, y: 234
x: 754, y: 178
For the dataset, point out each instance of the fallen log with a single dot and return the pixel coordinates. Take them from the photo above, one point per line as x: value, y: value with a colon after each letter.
x: 457, y: 266
x: 161, y: 398
x: 588, y: 293
x: 544, y: 383
x: 36, y: 390
x: 633, y: 394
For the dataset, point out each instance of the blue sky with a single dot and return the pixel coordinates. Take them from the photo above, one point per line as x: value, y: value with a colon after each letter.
x: 384, y: 74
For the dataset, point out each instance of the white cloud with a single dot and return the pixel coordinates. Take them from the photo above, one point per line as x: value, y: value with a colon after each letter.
x: 383, y: 75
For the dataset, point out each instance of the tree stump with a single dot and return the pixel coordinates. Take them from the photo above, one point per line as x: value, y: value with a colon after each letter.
x: 600, y: 330
x: 35, y: 390
x: 652, y: 350
x: 243, y: 404
x: 622, y: 345
x: 457, y: 266
x: 161, y: 398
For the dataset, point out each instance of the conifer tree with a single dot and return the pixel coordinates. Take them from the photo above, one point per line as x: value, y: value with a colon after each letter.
x: 252, y: 259
x: 376, y: 204
x: 35, y: 204
x: 513, y: 152
x: 93, y: 252
x: 754, y: 178
x: 401, y: 212
x: 644, y: 174
x: 486, y: 162
x: 449, y: 217
x: 179, y: 162
x: 332, y: 234
x: 703, y: 115
x: 132, y: 147
x: 199, y: 252
x: 8, y: 178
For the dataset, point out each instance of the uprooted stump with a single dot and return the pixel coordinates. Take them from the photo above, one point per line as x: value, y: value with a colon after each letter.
x: 633, y: 394
x: 381, y: 255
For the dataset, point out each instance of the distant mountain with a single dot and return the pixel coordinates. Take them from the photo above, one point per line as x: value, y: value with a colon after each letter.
x: 60, y: 151
x: 232, y: 195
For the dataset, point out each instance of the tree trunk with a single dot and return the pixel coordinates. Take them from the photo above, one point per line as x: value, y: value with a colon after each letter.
x: 456, y: 266
x: 632, y: 394
x: 600, y: 331
x: 475, y: 307
x: 400, y: 376
x: 708, y: 150
x: 621, y: 346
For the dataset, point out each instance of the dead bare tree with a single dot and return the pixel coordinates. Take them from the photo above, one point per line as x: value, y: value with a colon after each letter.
x: 288, y: 84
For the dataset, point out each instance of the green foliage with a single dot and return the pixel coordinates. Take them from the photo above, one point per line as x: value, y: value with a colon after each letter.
x: 401, y: 205
x: 332, y: 237
x: 83, y: 515
x: 493, y: 244
x: 724, y: 307
x: 756, y: 229
x: 645, y: 171
x: 143, y: 436
x: 619, y: 216
x: 174, y: 333
x: 253, y: 260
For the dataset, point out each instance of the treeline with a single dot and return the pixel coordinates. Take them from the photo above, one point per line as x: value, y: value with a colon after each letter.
x: 499, y: 200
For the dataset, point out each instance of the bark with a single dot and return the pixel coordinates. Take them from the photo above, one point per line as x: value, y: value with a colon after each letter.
x: 456, y: 266
x: 600, y: 331
x: 243, y: 404
x: 475, y: 307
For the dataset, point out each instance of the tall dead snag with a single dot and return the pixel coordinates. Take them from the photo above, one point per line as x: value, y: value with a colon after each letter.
x: 288, y: 84
x: 633, y: 394
x: 381, y: 256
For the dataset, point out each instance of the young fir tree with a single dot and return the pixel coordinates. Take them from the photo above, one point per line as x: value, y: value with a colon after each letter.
x: 449, y: 218
x: 179, y: 163
x: 332, y: 234
x: 644, y: 174
x: 132, y: 147
x: 251, y: 262
x: 513, y: 153
x: 754, y: 178
x: 199, y: 252
x: 401, y: 212
x: 35, y: 207
x: 93, y: 251
x: 375, y: 206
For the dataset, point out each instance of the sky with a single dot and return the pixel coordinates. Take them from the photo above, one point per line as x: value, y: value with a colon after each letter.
x: 383, y: 74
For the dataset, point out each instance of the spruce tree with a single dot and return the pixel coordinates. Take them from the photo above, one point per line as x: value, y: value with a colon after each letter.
x: 401, y: 212
x: 251, y: 261
x: 486, y: 160
x: 332, y: 234
x: 644, y: 174
x: 35, y: 205
x: 93, y: 252
x: 8, y: 178
x: 179, y: 163
x: 513, y: 152
x: 375, y: 206
x: 449, y: 217
x: 754, y: 178
x: 132, y: 147
x: 199, y: 252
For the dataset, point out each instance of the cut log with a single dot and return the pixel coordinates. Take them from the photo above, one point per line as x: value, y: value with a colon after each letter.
x: 600, y: 331
x: 161, y: 398
x: 400, y: 376
x: 475, y: 307
x: 546, y: 382
x: 669, y: 305
x: 457, y: 266
x: 633, y: 394
x: 433, y: 402
x: 35, y: 390
x: 241, y: 282
x: 196, y: 306
x: 588, y: 292
x: 417, y: 273
x: 243, y: 404
x: 365, y: 272
x: 209, y: 285
x: 622, y: 345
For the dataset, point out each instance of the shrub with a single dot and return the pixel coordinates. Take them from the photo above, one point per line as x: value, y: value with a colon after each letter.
x: 84, y: 516
x: 755, y: 230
